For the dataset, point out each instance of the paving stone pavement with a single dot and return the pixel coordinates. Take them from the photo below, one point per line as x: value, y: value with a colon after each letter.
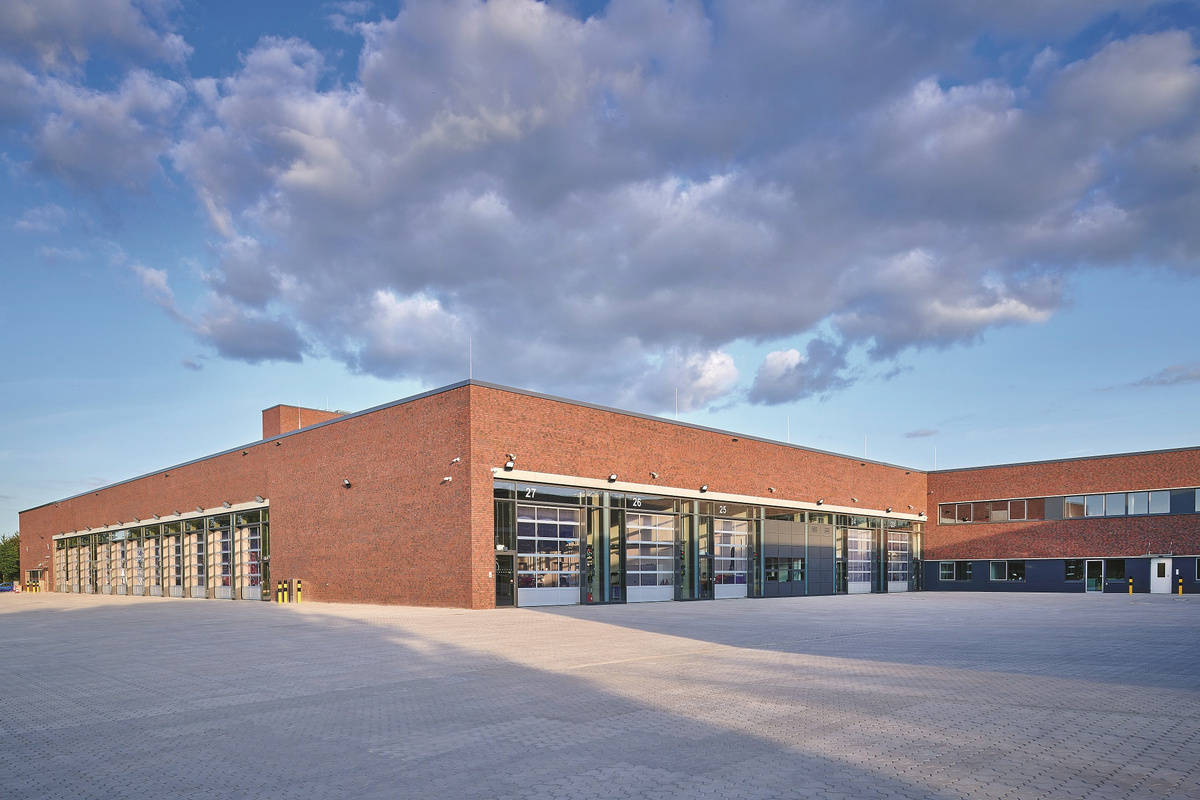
x: 923, y: 695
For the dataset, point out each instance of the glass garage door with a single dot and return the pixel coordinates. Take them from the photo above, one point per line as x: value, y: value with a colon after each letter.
x: 897, y: 561
x: 858, y: 561
x: 649, y: 557
x: 547, y: 556
x: 731, y: 540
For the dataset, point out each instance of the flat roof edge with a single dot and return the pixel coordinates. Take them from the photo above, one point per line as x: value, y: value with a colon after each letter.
x: 692, y: 425
x: 257, y: 442
x: 1131, y: 454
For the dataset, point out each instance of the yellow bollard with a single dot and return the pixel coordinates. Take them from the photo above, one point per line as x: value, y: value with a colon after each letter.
x: 1131, y: 585
x: 299, y: 591
x: 1181, y: 587
x: 278, y: 591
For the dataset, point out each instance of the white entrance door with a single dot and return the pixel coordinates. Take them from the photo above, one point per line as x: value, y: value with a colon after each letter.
x: 1160, y: 576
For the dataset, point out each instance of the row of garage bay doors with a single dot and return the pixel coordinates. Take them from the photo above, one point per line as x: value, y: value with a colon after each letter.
x: 652, y: 549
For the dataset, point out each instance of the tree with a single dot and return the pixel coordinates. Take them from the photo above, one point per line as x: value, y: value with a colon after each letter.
x: 10, y: 557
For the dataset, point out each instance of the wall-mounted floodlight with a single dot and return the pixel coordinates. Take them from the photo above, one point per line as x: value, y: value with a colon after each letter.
x: 135, y: 519
x: 245, y: 452
x: 508, y: 465
x: 771, y: 489
x: 258, y: 498
x: 199, y: 509
x: 225, y: 503
x: 612, y: 477
x: 853, y: 499
x: 888, y: 509
x: 910, y: 507
x: 456, y: 459
x: 447, y: 479
x: 654, y: 476
x: 156, y: 516
x: 920, y: 513
x: 346, y: 482
x: 176, y: 512
x: 704, y: 488
x: 820, y: 501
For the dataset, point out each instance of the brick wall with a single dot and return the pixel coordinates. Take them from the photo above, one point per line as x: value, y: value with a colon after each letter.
x: 397, y: 535
x: 1116, y: 536
x: 282, y: 419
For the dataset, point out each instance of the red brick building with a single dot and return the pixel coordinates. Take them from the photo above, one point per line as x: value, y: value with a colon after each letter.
x: 474, y: 495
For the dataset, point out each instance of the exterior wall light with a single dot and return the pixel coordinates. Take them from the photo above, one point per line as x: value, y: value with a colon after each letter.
x: 853, y: 499
x: 612, y: 477
x: 654, y: 476
x: 346, y: 482
x: 447, y: 479
x: 156, y: 516
x: 199, y: 509
x: 704, y: 488
x: 456, y: 459
x: 888, y: 510
x: 508, y: 465
x: 820, y: 501
x: 176, y: 512
x: 771, y: 489
x: 225, y: 503
x: 258, y: 498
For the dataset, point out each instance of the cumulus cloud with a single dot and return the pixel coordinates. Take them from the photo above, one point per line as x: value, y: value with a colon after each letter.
x: 606, y: 205
x: 95, y: 139
x: 786, y: 375
x: 61, y: 34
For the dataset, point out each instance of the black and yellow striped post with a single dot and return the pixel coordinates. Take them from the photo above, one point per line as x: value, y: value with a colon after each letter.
x: 1131, y: 585
x: 1181, y: 587
x: 299, y: 591
x: 279, y: 592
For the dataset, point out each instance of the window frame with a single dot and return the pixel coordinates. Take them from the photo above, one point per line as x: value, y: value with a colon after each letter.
x: 943, y: 564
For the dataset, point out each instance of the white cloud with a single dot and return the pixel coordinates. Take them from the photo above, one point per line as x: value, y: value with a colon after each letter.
x: 48, y: 218
x: 786, y: 375
x: 60, y: 34
x: 606, y: 205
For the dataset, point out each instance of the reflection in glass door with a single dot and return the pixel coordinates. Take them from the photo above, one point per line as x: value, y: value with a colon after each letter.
x: 897, y: 561
x: 731, y: 541
x: 547, y: 555
x: 858, y: 561
x: 1095, y: 575
x: 649, y: 557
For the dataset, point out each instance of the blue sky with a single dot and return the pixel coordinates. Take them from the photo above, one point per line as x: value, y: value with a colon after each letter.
x: 969, y: 227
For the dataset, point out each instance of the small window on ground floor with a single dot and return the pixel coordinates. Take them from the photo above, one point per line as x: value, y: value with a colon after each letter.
x: 1198, y: 562
x: 962, y: 570
x: 1007, y: 571
x: 1073, y: 569
x: 1114, y: 568
x: 946, y: 570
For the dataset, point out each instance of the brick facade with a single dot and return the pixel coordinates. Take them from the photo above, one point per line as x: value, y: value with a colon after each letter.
x: 402, y: 533
x: 1072, y: 538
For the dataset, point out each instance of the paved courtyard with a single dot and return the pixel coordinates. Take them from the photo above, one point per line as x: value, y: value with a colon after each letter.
x: 923, y: 695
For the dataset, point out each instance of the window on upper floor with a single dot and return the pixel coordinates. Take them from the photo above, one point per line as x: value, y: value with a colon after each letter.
x: 1160, y: 502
